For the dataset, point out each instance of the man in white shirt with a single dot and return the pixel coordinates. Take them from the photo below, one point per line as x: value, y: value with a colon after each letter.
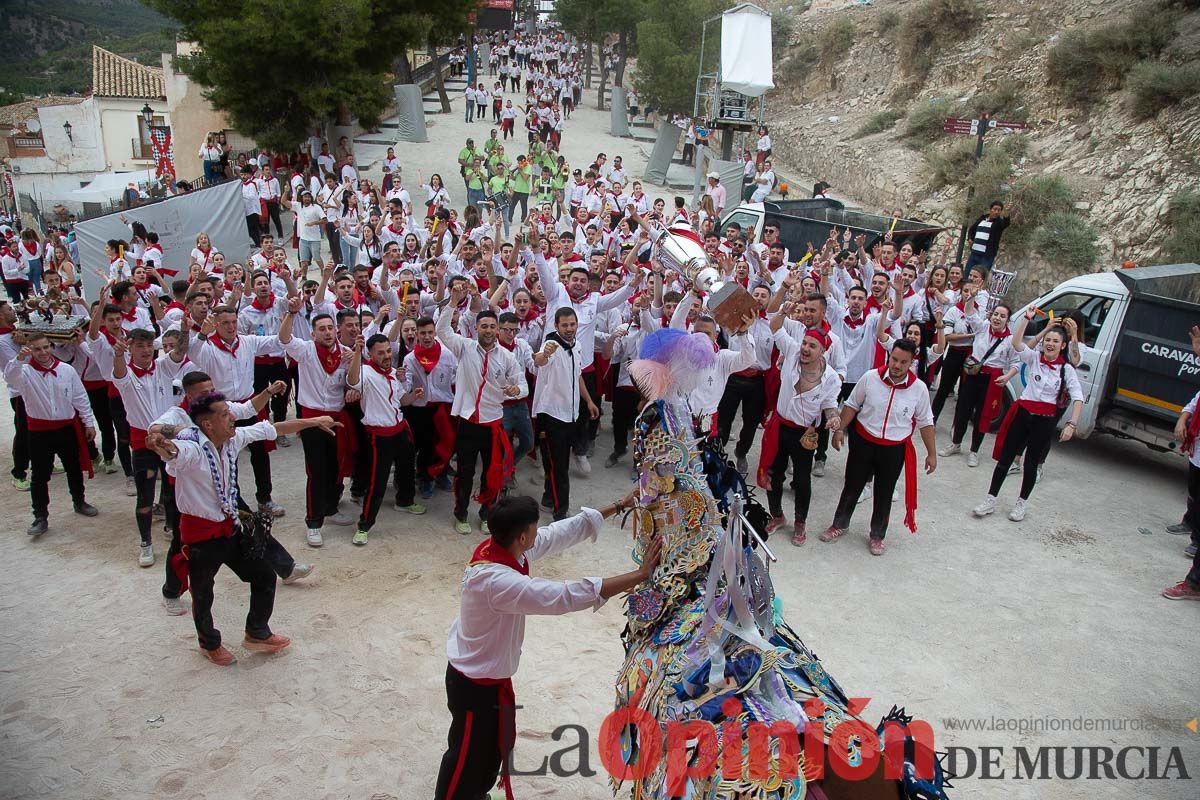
x: 484, y: 644
x: 269, y: 190
x: 886, y: 407
x: 487, y: 374
x: 716, y: 191
x: 764, y: 182
x: 252, y: 204
x: 204, y: 461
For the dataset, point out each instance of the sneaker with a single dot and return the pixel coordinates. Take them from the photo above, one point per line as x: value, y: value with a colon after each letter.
x: 1178, y: 528
x: 130, y: 487
x: 340, y: 518
x: 109, y: 467
x: 221, y: 656
x: 831, y: 534
x: 483, y: 528
x: 21, y: 484
x: 413, y: 508
x: 818, y: 469
x: 38, y: 527
x: 776, y: 522
x: 612, y: 460
x: 582, y: 466
x: 283, y: 441
x: 1181, y: 591
x: 799, y: 535
x: 1038, y: 479
x: 972, y: 459
x: 272, y: 644
x: 157, y: 511
x: 86, y: 509
x: 444, y: 483
x: 462, y: 527
x: 299, y: 572
x: 360, y: 537
x: 876, y: 546
x: 895, y: 495
x: 1188, y: 552
x: 742, y: 466
x: 867, y: 493
x: 1018, y: 511
x: 314, y: 537
x: 146, y: 555
x: 1014, y: 468
x: 58, y: 469
x: 272, y: 508
x: 425, y: 488
x: 950, y: 450
x: 175, y: 606
x: 988, y: 506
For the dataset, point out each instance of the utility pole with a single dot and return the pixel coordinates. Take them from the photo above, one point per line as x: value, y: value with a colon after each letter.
x: 978, y: 128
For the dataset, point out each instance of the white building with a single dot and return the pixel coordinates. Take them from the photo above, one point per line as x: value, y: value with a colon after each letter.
x: 55, y: 145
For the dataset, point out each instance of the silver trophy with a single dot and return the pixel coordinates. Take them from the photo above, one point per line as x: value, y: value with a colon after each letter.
x: 728, y: 302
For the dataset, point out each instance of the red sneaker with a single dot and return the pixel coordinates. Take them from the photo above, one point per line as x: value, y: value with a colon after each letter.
x: 1181, y: 591
x: 799, y: 536
x: 221, y: 656
x: 831, y: 534
x: 272, y: 644
x: 877, y: 547
x: 776, y: 522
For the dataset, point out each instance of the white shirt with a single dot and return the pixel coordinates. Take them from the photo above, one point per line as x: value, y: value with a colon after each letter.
x: 306, y: 214
x: 179, y: 418
x: 262, y: 322
x: 194, y: 490
x: 380, y: 397
x: 585, y: 310
x: 707, y: 396
x: 887, y: 411
x: 268, y: 188
x: 1043, y: 381
x: 317, y: 389
x: 1000, y: 356
x: 232, y: 372
x: 763, y: 186
x: 147, y: 397
x: 1190, y: 408
x: 806, y: 408
x: 251, y: 205
x: 556, y: 392
x: 438, y: 385
x: 502, y: 370
x: 57, y: 395
x: 485, y: 639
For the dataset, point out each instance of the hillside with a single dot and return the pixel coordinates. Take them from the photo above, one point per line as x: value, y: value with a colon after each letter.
x: 1110, y: 91
x: 50, y: 41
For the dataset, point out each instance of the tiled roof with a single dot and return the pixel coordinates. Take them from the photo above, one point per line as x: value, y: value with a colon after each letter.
x: 13, y: 116
x: 115, y: 76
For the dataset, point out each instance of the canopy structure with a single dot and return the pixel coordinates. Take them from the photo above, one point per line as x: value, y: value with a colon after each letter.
x: 746, y: 65
x: 109, y: 185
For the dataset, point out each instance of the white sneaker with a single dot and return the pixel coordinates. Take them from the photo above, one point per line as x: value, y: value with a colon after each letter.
x: 950, y: 450
x: 272, y: 508
x: 146, y: 555
x: 582, y: 465
x: 314, y: 537
x: 895, y: 495
x: 1038, y: 479
x: 299, y: 572
x: 867, y: 492
x: 818, y: 469
x: 972, y: 459
x: 130, y: 487
x: 1018, y: 511
x: 283, y: 441
x: 1014, y: 468
x: 988, y: 506
x: 340, y: 518
x: 175, y: 606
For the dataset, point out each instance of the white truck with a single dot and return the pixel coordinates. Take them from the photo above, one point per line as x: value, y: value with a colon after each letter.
x: 1139, y: 369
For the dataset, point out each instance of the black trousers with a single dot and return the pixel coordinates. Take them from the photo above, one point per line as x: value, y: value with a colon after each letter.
x: 1193, y: 513
x: 554, y: 443
x: 520, y: 199
x: 585, y: 431
x: 951, y: 371
x: 971, y: 393
x: 473, y: 442
x: 335, y: 242
x: 791, y: 451
x: 205, y: 559
x: 147, y: 469
x: 749, y: 392
x: 1031, y: 434
x: 472, y: 761
x: 360, y: 476
x: 264, y: 376
x: 98, y: 398
x: 867, y: 460
x: 823, y: 432
x: 387, y: 452
x: 321, y: 467
x: 260, y: 464
x: 420, y: 422
x: 254, y: 228
x: 624, y: 413
x: 43, y: 447
x: 116, y: 410
x: 273, y: 216
x: 20, y: 443
x: 275, y: 554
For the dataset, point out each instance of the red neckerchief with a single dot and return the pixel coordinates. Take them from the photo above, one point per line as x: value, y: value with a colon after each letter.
x: 483, y: 283
x: 428, y: 357
x: 872, y: 305
x: 51, y: 369
x: 141, y: 373
x: 157, y: 247
x: 853, y: 323
x: 909, y: 379
x: 174, y: 304
x: 141, y: 287
x: 1059, y: 361
x: 31, y: 250
x: 330, y: 357
x: 130, y: 316
x: 338, y: 305
x: 261, y: 306
x: 571, y: 259
x: 508, y: 347
x: 219, y: 343
x: 909, y: 292
x: 387, y: 373
x: 998, y: 334
x: 489, y: 552
x: 5, y: 331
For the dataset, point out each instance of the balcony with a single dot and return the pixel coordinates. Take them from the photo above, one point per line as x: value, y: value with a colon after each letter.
x: 25, y: 145
x: 142, y: 151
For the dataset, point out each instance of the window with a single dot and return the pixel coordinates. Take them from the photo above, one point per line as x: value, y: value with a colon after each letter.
x: 142, y: 148
x: 747, y: 220
x: 1093, y: 308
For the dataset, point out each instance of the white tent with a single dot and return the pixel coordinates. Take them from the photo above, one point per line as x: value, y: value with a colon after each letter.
x: 746, y: 50
x: 109, y: 185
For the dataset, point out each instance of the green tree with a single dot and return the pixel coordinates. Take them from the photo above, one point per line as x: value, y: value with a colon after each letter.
x: 278, y: 67
x: 669, y: 53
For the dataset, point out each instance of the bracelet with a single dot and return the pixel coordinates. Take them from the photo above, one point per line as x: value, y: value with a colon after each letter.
x: 1071, y: 423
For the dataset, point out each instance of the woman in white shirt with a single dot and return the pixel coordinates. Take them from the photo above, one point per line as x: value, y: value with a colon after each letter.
x: 1029, y: 428
x: 763, y: 148
x: 391, y: 168
x: 349, y: 228
x: 310, y: 220
x: 436, y: 195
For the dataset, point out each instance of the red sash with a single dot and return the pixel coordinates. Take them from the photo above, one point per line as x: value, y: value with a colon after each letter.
x: 910, y: 472
x: 347, y: 439
x: 137, y: 438
x: 991, y: 400
x: 85, y: 458
x: 770, y: 448
x: 500, y: 466
x: 198, y: 529
x: 1033, y: 407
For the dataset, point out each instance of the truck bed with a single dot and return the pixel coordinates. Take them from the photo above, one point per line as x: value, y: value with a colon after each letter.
x: 804, y: 221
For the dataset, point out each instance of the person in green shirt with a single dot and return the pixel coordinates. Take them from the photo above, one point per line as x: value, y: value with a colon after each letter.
x: 497, y: 159
x: 476, y: 179
x: 465, y: 156
x: 522, y: 177
x: 492, y: 143
x: 544, y: 187
x: 499, y: 189
x: 559, y: 183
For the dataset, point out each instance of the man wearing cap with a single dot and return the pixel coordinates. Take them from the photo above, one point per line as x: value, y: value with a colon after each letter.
x: 716, y: 191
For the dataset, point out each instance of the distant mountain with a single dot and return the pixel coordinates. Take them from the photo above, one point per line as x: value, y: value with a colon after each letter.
x: 49, y: 41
